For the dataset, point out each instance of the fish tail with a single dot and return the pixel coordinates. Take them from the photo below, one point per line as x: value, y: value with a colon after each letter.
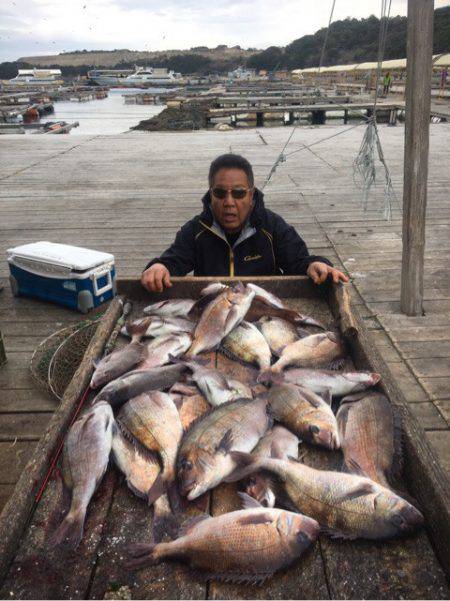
x: 157, y: 489
x: 141, y: 555
x: 165, y: 524
x: 136, y: 329
x: 270, y: 377
x: 70, y: 531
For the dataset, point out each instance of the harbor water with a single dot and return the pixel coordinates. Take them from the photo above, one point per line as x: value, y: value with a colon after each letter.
x: 107, y: 116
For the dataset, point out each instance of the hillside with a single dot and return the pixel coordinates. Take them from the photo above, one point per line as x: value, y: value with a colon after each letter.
x: 350, y: 41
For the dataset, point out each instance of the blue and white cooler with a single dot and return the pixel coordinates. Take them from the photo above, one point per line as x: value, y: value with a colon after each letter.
x: 75, y: 277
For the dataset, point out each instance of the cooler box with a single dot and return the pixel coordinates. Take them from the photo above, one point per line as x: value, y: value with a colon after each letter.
x: 75, y: 277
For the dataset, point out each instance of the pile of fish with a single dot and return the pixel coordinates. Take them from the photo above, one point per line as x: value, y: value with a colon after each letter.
x: 177, y: 427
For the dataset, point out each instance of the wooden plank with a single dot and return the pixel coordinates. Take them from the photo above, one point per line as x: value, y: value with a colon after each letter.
x: 13, y: 458
x: 417, y: 128
x: 17, y: 511
x: 428, y: 416
x: 26, y: 401
x: 25, y: 426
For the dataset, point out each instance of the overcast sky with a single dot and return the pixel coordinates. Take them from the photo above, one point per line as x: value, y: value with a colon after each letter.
x: 37, y: 27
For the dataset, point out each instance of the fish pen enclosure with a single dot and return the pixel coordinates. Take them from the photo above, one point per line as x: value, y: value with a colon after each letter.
x: 32, y: 568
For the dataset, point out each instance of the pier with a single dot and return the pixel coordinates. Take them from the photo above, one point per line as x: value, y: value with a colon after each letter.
x: 129, y: 194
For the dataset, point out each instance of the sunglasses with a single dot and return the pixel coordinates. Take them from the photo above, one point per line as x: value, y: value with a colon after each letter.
x: 236, y: 193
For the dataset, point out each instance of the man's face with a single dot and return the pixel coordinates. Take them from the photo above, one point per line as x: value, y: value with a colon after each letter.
x: 231, y: 212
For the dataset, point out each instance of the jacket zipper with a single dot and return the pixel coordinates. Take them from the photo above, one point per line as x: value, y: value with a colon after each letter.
x: 231, y: 253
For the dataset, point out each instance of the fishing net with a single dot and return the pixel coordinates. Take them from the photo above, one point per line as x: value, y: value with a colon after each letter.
x: 57, y: 358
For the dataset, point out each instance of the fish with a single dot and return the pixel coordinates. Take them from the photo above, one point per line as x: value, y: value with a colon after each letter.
x: 141, y: 468
x: 345, y: 505
x: 137, y: 382
x: 246, y: 343
x: 261, y: 308
x: 176, y: 307
x: 369, y: 436
x: 317, y: 350
x: 216, y: 387
x: 277, y: 332
x: 250, y: 544
x: 204, y: 458
x: 220, y: 316
x: 85, y: 458
x: 191, y: 404
x: 117, y: 363
x: 162, y: 326
x: 153, y: 420
x: 304, y: 413
x: 266, y: 296
x: 160, y: 349
x: 277, y: 442
x: 338, y: 383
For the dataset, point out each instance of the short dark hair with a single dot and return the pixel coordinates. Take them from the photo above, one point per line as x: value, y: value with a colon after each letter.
x: 231, y: 161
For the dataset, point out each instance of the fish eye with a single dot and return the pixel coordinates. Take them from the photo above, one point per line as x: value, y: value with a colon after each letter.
x: 251, y: 482
x: 314, y: 430
x: 186, y: 464
x: 397, y: 520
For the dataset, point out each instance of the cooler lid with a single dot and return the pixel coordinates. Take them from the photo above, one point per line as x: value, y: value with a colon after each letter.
x: 73, y: 257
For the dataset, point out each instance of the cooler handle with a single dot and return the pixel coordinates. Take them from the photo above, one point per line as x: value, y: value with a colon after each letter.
x: 98, y: 291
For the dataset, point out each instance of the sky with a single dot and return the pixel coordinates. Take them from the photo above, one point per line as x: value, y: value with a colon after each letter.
x: 41, y: 27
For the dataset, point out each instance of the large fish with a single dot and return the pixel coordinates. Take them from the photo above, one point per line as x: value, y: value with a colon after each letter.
x: 277, y: 332
x: 246, y: 545
x: 246, y: 343
x: 317, y: 350
x: 368, y: 435
x: 346, y: 505
x: 153, y: 420
x: 162, y: 326
x: 338, y: 383
x: 204, y: 458
x: 85, y: 459
x: 117, y: 363
x: 141, y: 469
x: 136, y: 382
x: 216, y: 387
x: 159, y: 350
x: 220, y: 316
x: 277, y: 442
x: 305, y: 413
x: 177, y: 307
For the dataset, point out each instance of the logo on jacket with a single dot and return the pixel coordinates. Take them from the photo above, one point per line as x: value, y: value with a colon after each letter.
x: 252, y: 257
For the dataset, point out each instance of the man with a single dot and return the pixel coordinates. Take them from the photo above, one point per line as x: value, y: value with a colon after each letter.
x: 387, y: 81
x: 236, y: 235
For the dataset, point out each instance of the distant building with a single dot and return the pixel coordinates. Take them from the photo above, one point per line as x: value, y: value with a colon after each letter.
x: 242, y: 74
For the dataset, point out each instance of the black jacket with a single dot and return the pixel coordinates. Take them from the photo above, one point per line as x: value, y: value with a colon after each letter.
x: 266, y: 246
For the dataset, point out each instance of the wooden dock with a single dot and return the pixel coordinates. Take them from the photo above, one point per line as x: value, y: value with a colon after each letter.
x: 128, y: 194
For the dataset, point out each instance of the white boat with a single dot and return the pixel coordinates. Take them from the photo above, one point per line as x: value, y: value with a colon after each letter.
x: 142, y: 77
x: 27, y: 77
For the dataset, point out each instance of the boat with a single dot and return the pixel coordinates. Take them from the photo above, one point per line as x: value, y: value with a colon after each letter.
x: 141, y: 77
x: 39, y: 77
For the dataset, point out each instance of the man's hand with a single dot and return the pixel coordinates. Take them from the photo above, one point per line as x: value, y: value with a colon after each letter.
x: 156, y: 277
x: 319, y: 272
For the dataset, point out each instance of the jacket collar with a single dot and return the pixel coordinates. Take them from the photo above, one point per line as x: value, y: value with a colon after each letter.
x: 255, y: 219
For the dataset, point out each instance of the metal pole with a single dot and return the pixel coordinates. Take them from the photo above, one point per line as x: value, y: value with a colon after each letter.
x: 417, y: 126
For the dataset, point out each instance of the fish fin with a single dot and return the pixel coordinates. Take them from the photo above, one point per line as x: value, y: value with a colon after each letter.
x: 297, y: 459
x: 231, y: 317
x: 353, y: 467
x: 332, y: 533
x: 70, y: 532
x: 302, y: 333
x: 165, y: 524
x: 353, y: 398
x: 140, y: 555
x: 249, y: 578
x: 362, y: 489
x: 200, y: 305
x: 333, y: 336
x: 157, y: 489
x: 226, y: 442
x: 326, y: 395
x: 96, y: 362
x: 262, y: 518
x: 310, y: 321
x: 242, y: 459
x: 341, y: 419
x: 201, y: 503
x: 270, y: 377
x: 275, y: 451
x: 188, y: 525
x: 248, y: 502
x: 227, y: 353
x: 178, y: 402
x: 173, y: 493
x: 337, y: 364
x: 138, y: 327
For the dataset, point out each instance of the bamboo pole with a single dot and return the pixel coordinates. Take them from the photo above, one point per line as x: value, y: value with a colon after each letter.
x: 418, y: 104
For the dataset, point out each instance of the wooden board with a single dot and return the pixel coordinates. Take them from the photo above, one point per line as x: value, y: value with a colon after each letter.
x: 333, y: 569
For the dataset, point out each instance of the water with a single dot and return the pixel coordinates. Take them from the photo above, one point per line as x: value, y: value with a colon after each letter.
x: 104, y: 117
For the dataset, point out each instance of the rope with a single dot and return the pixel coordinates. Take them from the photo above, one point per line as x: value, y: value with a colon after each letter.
x: 282, y: 157
x: 364, y: 164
